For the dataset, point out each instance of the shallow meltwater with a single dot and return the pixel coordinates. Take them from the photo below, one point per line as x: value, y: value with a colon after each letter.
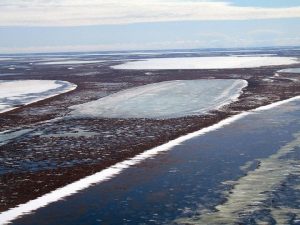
x: 246, y: 172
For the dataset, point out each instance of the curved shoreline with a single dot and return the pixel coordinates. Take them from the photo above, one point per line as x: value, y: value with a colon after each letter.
x: 119, y: 105
x: 70, y: 87
x: 106, y: 174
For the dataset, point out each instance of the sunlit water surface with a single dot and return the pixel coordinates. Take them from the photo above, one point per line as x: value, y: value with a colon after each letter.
x: 244, y: 173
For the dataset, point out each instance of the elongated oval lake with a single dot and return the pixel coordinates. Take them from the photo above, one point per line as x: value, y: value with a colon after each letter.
x: 167, y: 99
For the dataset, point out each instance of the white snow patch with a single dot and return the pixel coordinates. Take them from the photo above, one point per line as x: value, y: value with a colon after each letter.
x: 226, y: 62
x: 169, y: 99
x: 23, y: 92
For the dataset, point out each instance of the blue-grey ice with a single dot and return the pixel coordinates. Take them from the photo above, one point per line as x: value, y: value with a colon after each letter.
x: 290, y: 70
x: 169, y: 99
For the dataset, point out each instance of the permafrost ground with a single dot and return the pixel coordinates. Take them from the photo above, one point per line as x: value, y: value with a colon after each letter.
x: 43, y: 148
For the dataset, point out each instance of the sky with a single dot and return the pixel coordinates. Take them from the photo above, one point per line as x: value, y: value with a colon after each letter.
x: 28, y: 26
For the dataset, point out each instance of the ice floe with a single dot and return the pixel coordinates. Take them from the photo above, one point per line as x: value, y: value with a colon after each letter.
x: 16, y: 93
x: 220, y: 62
x: 169, y: 99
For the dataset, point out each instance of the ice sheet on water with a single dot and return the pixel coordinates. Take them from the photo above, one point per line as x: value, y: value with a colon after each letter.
x: 169, y: 99
x: 23, y: 92
x: 290, y: 70
x: 220, y: 62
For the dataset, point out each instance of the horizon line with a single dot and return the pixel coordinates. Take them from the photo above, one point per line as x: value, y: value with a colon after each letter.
x: 149, y: 50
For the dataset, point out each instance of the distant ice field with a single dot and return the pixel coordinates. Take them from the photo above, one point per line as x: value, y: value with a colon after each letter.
x: 169, y: 99
x: 16, y: 93
x: 220, y: 62
x: 70, y: 62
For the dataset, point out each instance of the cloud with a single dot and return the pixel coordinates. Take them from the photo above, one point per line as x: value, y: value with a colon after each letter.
x: 99, y: 12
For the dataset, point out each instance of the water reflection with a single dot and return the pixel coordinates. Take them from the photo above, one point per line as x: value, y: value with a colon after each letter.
x: 246, y: 172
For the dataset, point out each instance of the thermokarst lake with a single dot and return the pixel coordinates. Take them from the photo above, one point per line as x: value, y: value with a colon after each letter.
x: 23, y: 92
x: 210, y: 178
x: 153, y: 137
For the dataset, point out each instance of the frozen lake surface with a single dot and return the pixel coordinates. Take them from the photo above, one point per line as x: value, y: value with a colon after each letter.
x: 290, y: 70
x: 227, y: 62
x: 167, y: 99
x: 14, y: 94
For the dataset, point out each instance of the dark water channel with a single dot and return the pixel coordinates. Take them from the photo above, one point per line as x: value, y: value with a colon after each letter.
x: 183, y: 185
